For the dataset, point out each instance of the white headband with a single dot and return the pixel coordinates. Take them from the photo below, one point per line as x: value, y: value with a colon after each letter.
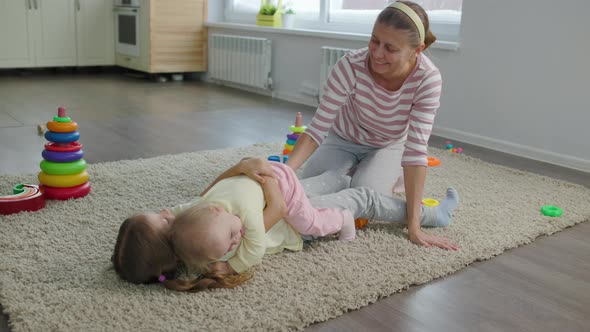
x: 412, y: 15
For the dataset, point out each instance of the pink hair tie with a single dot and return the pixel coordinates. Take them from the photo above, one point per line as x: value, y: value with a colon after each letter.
x: 162, y: 278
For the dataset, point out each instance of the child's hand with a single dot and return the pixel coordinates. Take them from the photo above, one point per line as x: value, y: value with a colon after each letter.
x: 256, y: 169
x: 273, y: 196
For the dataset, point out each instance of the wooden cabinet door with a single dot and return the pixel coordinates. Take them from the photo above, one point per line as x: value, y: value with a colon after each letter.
x: 17, y: 43
x: 95, y: 32
x: 55, y: 28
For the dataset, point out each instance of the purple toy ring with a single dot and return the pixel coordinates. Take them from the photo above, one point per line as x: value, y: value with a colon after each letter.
x: 62, y: 157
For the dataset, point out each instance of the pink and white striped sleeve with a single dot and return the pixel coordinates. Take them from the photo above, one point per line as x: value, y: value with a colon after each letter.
x: 425, y: 105
x: 337, y: 89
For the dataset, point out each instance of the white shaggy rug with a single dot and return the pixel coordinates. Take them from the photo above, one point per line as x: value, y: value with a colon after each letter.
x: 55, y: 270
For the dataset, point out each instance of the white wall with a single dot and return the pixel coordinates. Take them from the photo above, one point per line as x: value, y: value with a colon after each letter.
x: 518, y: 83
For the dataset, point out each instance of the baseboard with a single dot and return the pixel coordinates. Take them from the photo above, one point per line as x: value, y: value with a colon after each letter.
x: 515, y: 149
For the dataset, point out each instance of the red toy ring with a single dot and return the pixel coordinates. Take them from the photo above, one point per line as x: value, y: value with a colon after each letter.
x: 63, y: 147
x: 26, y: 197
x: 67, y: 192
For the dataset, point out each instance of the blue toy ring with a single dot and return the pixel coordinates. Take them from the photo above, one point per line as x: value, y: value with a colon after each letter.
x: 62, y: 137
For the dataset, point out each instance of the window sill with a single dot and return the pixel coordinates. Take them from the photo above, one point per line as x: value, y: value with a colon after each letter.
x: 452, y: 46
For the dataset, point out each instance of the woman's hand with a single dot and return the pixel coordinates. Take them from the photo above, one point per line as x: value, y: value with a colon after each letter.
x: 424, y: 239
x: 256, y: 169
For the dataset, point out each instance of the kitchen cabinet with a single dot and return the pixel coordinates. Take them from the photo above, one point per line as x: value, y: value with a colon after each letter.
x: 55, y: 33
x: 95, y: 36
x: 173, y: 37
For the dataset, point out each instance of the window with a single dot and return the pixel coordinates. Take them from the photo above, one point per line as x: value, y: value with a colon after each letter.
x: 355, y: 16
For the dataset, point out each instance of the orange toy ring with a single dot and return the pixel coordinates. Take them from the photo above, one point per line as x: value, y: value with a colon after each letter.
x: 62, y: 127
x: 432, y: 161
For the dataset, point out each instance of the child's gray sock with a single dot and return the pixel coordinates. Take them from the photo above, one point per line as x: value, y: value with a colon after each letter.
x: 440, y: 215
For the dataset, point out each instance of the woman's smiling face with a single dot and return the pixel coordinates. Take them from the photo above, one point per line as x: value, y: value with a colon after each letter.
x: 390, y: 52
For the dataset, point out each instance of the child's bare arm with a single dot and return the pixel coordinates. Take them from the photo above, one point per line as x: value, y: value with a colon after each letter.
x: 254, y: 168
x: 276, y: 207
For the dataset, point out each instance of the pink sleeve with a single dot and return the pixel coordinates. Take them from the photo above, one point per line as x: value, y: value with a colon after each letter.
x: 337, y: 89
x: 424, y: 107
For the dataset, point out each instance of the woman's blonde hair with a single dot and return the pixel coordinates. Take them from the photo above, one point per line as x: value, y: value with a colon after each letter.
x: 397, y: 19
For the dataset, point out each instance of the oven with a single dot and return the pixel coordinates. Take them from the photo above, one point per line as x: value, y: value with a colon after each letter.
x: 127, y: 27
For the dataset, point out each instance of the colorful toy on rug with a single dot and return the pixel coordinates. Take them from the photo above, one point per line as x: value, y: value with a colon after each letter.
x: 295, y: 132
x: 430, y: 202
x: 360, y: 223
x: 449, y: 146
x: 433, y: 161
x: 63, y: 170
x: 25, y: 197
x: 551, y: 211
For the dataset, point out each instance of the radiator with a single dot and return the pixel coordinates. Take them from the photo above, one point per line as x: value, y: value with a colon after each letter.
x: 240, y: 60
x: 330, y: 55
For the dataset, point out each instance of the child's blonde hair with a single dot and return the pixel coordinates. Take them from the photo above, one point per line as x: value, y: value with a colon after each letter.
x: 188, y: 238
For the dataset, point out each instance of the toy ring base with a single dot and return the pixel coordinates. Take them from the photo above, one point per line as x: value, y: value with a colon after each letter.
x: 58, y: 193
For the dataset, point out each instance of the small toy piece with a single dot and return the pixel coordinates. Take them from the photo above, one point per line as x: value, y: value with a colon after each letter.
x: 274, y: 158
x: 292, y: 137
x: 360, y: 223
x: 433, y: 161
x: 551, y: 211
x: 430, y: 202
x: 25, y: 197
x: 459, y: 150
x: 63, y: 170
x: 449, y: 146
x: 40, y: 129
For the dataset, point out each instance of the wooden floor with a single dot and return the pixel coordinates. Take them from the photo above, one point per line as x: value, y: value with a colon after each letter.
x: 544, y: 286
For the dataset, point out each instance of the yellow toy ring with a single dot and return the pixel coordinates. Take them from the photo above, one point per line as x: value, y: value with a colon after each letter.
x: 430, y: 202
x: 63, y: 181
x: 62, y: 127
x: 297, y: 130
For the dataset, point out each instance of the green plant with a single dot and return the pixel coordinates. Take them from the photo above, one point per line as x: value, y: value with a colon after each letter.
x: 268, y: 9
x: 290, y: 11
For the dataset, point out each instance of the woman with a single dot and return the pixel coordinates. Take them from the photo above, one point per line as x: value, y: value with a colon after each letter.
x: 377, y: 112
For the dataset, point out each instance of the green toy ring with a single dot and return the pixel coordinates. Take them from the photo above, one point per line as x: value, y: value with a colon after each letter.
x: 60, y: 119
x: 551, y: 211
x: 297, y: 130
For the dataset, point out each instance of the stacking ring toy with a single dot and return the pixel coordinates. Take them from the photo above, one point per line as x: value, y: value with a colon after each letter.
x: 67, y: 193
x: 62, y: 157
x: 25, y: 197
x: 63, y: 181
x: 62, y: 137
x: 551, y: 211
x: 274, y: 158
x: 62, y: 127
x: 63, y: 147
x: 62, y: 119
x: 74, y: 167
x: 291, y: 142
x: 297, y: 130
x: 289, y: 147
x: 432, y: 161
x: 293, y: 136
x: 430, y: 202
